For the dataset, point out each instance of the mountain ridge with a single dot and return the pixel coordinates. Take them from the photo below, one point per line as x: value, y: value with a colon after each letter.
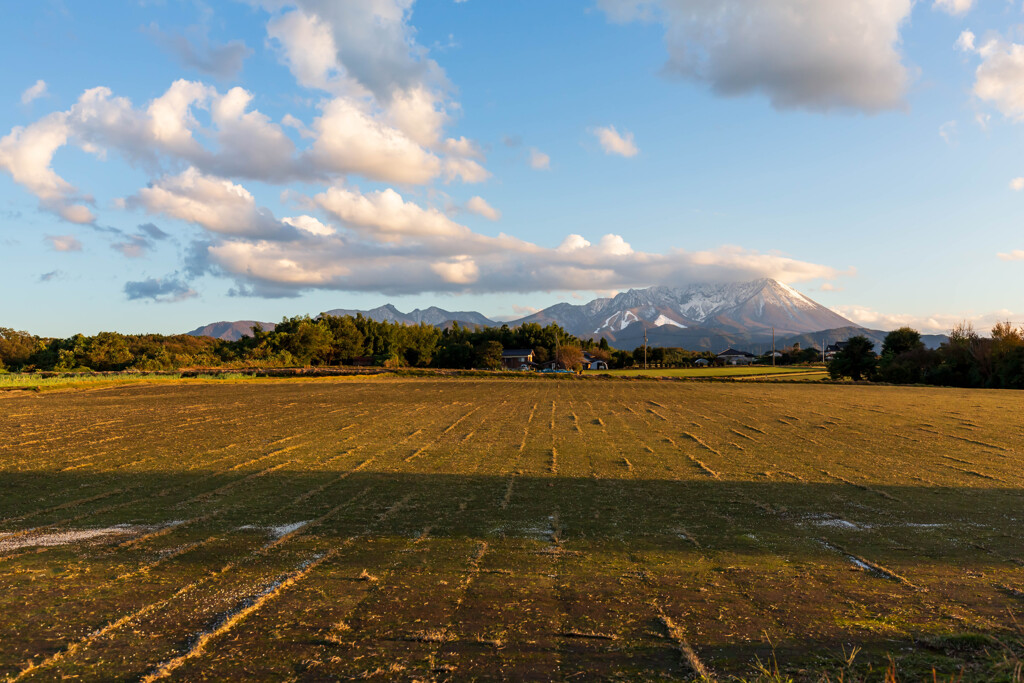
x: 697, y: 316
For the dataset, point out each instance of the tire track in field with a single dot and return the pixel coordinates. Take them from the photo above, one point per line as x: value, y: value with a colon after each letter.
x: 70, y: 649
x: 273, y: 544
x: 378, y: 582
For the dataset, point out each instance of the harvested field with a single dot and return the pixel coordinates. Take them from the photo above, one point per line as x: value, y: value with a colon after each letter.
x: 456, y: 529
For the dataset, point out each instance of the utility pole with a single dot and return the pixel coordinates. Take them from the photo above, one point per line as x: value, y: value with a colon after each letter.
x: 645, y: 348
x: 773, y: 347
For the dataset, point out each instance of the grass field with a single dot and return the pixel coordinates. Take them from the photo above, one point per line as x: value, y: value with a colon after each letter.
x: 729, y: 371
x: 433, y: 529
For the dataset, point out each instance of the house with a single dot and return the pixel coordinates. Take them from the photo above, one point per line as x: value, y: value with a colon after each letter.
x: 832, y: 349
x: 733, y: 357
x: 593, y: 363
x: 515, y: 359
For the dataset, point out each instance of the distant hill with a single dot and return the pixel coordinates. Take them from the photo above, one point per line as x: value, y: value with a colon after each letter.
x: 229, y: 331
x: 431, y: 316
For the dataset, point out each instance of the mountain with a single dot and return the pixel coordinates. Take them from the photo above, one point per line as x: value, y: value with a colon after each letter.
x: 744, y: 308
x: 698, y: 317
x: 431, y: 316
x: 229, y: 331
x: 438, y: 317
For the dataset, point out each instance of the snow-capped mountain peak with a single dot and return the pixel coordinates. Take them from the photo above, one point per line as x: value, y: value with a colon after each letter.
x: 755, y: 306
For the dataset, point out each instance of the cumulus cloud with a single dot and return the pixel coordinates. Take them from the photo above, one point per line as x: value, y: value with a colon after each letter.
x: 805, y: 54
x: 214, y: 203
x: 458, y: 270
x: 195, y: 50
x: 386, y: 90
x: 930, y: 324
x: 370, y: 42
x: 539, y: 161
x: 999, y: 79
x: 64, y: 242
x: 308, y: 224
x: 350, y: 140
x: 34, y: 92
x: 26, y: 153
x: 1015, y: 255
x: 954, y: 7
x: 612, y: 142
x: 479, y: 206
x: 391, y: 245
x: 386, y: 216
x: 160, y: 290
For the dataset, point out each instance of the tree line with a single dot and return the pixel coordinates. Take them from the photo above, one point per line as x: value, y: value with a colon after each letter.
x: 298, y: 341
x: 966, y: 360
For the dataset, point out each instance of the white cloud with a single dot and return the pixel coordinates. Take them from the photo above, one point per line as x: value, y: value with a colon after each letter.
x: 479, y: 206
x: 391, y: 245
x: 806, y: 54
x: 539, y: 160
x: 216, y: 204
x: 308, y: 49
x: 418, y: 113
x: 466, y: 169
x: 954, y: 7
x: 309, y: 224
x: 1017, y: 184
x: 612, y: 142
x: 947, y: 131
x: 64, y: 242
x: 350, y: 140
x: 459, y: 270
x: 572, y: 243
x: 34, y: 92
x: 386, y: 216
x: 965, y: 42
x: 26, y: 153
x: 999, y: 79
x: 250, y: 144
x: 1015, y: 255
x: 614, y: 245
x: 940, y: 323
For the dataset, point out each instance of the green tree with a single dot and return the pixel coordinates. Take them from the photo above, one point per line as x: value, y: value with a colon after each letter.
x: 488, y: 355
x: 856, y: 361
x: 901, y: 341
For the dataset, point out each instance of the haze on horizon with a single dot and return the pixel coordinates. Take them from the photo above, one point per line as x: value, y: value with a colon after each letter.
x: 167, y: 164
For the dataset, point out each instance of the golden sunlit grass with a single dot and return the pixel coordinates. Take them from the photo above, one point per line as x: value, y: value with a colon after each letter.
x: 482, y: 528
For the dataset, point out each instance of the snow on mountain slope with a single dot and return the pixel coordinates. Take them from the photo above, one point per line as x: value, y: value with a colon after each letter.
x: 663, y: 320
x: 756, y: 306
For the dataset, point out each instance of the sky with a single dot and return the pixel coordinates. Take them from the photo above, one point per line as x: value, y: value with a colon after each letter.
x: 170, y: 163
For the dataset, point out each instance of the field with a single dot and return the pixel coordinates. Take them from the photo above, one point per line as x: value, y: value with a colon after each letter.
x: 723, y: 372
x: 434, y: 529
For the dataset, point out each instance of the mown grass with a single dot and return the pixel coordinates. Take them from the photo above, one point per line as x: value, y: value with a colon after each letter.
x: 728, y: 371
x: 476, y: 528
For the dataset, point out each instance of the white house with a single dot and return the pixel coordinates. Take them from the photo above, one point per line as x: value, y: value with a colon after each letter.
x: 733, y: 357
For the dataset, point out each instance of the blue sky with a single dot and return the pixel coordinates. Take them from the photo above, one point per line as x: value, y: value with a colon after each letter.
x: 168, y: 164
